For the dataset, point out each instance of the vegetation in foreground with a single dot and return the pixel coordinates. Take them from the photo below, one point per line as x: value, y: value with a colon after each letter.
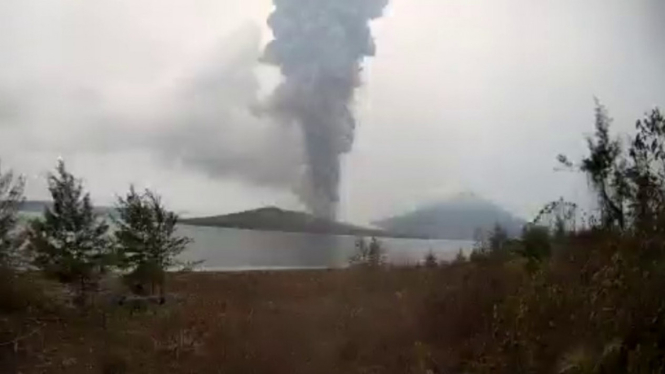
x: 572, y: 294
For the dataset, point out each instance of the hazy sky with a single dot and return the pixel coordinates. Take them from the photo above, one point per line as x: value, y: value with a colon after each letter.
x: 463, y: 94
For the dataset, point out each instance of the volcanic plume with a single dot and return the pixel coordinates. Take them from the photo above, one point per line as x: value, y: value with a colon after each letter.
x: 319, y: 46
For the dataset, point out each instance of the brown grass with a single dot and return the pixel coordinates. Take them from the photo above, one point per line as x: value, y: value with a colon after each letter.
x: 594, y: 307
x: 361, y: 321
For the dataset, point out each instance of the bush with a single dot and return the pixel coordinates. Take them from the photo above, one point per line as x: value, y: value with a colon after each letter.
x: 535, y: 244
x: 588, y: 301
x: 495, y: 246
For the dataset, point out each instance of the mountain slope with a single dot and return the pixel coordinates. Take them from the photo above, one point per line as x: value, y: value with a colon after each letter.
x: 458, y: 218
x: 275, y: 219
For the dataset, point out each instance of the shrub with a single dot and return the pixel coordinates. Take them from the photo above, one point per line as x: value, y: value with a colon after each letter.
x: 535, y: 245
x: 494, y: 246
x: 590, y: 300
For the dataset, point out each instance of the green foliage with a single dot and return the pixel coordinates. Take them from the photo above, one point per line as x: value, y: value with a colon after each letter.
x: 370, y: 254
x: 146, y: 237
x: 495, y: 245
x: 594, y: 307
x: 628, y: 179
x: 646, y: 174
x: 498, y: 239
x: 536, y: 244
x: 11, y: 196
x: 605, y: 167
x: 460, y: 258
x: 70, y: 241
x: 430, y: 260
x: 590, y: 298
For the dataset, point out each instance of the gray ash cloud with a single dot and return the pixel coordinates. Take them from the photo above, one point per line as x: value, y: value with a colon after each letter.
x: 319, y: 46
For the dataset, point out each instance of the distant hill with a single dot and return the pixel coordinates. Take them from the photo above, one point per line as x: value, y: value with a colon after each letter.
x: 276, y: 219
x: 38, y: 206
x: 458, y: 218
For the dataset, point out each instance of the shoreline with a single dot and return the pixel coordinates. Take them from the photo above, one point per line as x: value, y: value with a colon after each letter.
x: 317, y: 233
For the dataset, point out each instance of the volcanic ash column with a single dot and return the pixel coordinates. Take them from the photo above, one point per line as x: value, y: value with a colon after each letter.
x: 319, y: 46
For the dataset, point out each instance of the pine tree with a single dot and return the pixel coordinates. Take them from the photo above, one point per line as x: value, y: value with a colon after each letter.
x: 430, y: 260
x: 13, y: 297
x: 146, y: 238
x: 70, y: 241
x: 368, y: 254
x: 11, y: 196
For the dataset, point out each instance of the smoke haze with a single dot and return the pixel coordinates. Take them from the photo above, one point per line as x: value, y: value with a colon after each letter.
x: 216, y: 126
x: 462, y: 94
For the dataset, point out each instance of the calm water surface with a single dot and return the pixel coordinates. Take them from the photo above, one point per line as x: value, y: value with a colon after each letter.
x: 236, y: 250
x: 232, y: 249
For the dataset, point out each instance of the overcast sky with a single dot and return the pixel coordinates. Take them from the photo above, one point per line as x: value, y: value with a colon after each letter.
x: 462, y: 95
